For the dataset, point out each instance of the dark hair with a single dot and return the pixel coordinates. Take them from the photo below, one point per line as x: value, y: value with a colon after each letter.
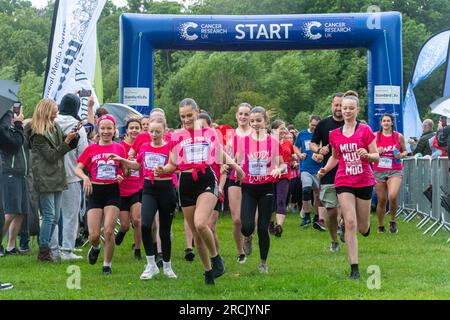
x: 338, y: 95
x: 276, y: 124
x: 259, y: 109
x: 101, y: 112
x: 188, y: 102
x: 205, y: 116
x: 314, y: 117
x: 133, y: 120
x: 388, y: 115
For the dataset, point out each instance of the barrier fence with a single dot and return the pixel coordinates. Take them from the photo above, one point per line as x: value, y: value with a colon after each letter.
x: 425, y: 193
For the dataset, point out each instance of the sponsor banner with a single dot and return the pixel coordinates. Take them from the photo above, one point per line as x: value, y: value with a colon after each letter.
x: 136, y: 96
x: 411, y: 117
x: 431, y: 57
x: 73, y: 52
x: 205, y: 31
x: 387, y: 94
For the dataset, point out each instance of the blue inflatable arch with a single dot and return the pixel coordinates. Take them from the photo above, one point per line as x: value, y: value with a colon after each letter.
x: 379, y: 33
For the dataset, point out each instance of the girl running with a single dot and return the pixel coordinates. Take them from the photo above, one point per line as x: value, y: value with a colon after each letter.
x: 131, y: 194
x: 388, y: 170
x: 193, y: 151
x: 102, y: 189
x: 262, y: 162
x: 353, y: 147
x: 158, y: 196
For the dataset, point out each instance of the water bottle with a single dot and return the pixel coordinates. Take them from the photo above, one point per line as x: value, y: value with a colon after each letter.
x: 397, y: 161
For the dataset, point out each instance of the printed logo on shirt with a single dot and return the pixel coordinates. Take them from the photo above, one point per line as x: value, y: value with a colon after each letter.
x: 353, y: 164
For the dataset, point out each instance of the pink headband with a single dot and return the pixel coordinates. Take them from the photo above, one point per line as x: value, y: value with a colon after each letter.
x: 106, y: 117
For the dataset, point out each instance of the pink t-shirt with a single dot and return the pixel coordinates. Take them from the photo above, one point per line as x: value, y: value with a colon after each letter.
x: 387, y: 160
x: 259, y: 158
x: 234, y: 148
x: 95, y: 160
x: 150, y: 157
x: 195, y: 149
x: 145, y: 137
x: 353, y: 170
x: 130, y: 185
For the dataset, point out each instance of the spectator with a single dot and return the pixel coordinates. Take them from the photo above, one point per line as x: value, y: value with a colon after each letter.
x: 10, y: 141
x: 48, y: 146
x: 442, y: 140
x: 67, y: 120
x: 423, y: 145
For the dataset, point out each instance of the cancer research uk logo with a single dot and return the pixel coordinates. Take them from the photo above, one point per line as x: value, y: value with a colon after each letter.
x: 315, y: 30
x: 184, y: 31
x: 308, y: 30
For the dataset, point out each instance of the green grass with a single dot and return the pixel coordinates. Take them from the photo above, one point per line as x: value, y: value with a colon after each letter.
x: 413, y: 266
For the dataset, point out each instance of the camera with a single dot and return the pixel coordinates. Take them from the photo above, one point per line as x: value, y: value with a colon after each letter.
x: 17, y: 106
x: 85, y: 93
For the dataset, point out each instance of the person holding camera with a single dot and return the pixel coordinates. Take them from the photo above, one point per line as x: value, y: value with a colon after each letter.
x: 49, y: 144
x: 422, y: 145
x: 10, y: 141
x: 69, y: 120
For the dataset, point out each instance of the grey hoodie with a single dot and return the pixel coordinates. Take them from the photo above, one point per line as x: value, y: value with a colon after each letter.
x: 70, y: 159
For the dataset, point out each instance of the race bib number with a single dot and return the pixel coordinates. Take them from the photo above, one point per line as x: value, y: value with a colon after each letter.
x: 135, y: 174
x: 106, y: 171
x: 285, y: 171
x: 152, y: 160
x: 198, y: 152
x: 385, y: 163
x: 257, y: 168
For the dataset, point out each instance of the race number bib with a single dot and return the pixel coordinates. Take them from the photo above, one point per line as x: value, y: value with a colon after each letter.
x: 257, y: 168
x: 198, y: 152
x: 152, y: 160
x: 385, y: 163
x: 135, y: 174
x: 285, y: 170
x: 106, y: 171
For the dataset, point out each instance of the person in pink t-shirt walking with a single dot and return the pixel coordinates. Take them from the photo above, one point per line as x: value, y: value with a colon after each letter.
x: 353, y: 148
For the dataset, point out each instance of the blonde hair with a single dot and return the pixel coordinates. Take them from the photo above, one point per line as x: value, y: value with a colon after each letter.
x: 160, y: 120
x: 41, y: 122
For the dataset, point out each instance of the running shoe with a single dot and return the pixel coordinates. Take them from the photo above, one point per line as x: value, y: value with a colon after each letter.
x: 66, y: 256
x: 137, y: 254
x: 354, y: 275
x: 6, y: 286
x: 334, y: 247
x: 119, y: 237
x: 319, y: 225
x: 159, y: 260
x: 107, y: 271
x: 305, y: 221
x: 168, y: 272
x: 278, y: 230
x: 209, y: 277
x: 218, y: 266
x: 248, y: 245
x: 381, y: 229
x: 93, y: 255
x: 263, y: 268
x: 189, y: 254
x: 2, y: 251
x: 241, y: 258
x: 393, y: 227
x: 149, y: 272
x: 12, y: 252
x: 272, y: 227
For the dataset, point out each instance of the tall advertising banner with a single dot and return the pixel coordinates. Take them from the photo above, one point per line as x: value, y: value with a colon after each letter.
x: 73, y: 50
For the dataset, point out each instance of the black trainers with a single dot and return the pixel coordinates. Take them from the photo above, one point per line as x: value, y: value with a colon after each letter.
x: 13, y: 252
x: 6, y: 286
x: 272, y: 227
x: 93, y: 255
x: 319, y: 225
x: 137, y: 254
x: 218, y: 266
x: 119, y: 237
x: 189, y: 254
x: 305, y: 221
x: 241, y: 258
x: 159, y: 260
x: 209, y: 277
x: 107, y: 271
x: 354, y: 275
x: 278, y: 230
x: 2, y: 251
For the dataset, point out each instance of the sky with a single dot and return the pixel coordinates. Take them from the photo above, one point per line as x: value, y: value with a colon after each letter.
x: 43, y: 3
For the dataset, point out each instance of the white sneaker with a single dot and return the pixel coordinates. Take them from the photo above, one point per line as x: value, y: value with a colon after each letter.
x: 70, y: 256
x: 77, y: 250
x: 263, y: 268
x: 149, y: 272
x: 170, y: 274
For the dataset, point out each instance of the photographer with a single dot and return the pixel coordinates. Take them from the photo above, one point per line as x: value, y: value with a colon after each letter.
x: 68, y: 120
x: 10, y: 141
x: 423, y: 144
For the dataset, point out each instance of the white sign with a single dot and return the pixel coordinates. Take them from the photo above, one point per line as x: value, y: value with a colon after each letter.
x: 387, y: 95
x: 136, y: 96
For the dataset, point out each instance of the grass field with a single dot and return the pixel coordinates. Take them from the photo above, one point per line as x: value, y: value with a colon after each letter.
x: 413, y: 266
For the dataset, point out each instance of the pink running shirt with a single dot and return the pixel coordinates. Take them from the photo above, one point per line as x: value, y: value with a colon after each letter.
x: 387, y: 160
x: 150, y: 157
x: 133, y: 183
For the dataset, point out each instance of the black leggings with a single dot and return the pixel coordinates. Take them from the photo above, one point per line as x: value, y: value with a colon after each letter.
x: 257, y: 196
x: 160, y: 197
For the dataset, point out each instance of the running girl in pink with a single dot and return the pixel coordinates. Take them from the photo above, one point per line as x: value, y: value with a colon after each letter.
x: 388, y: 170
x: 158, y: 196
x: 353, y: 147
x: 131, y: 194
x: 262, y: 162
x: 193, y: 151
x: 102, y: 189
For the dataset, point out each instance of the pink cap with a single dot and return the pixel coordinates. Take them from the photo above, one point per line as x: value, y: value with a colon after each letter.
x: 106, y: 117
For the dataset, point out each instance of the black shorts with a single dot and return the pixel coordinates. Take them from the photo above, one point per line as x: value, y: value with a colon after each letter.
x: 104, y: 195
x: 127, y: 202
x: 232, y: 183
x: 189, y: 190
x: 364, y: 193
x: 218, y: 206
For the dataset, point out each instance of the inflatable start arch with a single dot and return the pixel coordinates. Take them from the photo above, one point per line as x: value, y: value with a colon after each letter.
x: 379, y: 33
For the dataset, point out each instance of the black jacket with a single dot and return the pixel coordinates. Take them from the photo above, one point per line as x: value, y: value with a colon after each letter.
x: 10, y: 139
x: 423, y: 146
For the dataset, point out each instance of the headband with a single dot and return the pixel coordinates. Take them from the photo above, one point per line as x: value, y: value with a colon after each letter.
x: 106, y: 117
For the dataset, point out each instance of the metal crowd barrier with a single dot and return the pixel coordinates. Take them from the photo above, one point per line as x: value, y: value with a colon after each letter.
x: 425, y: 182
